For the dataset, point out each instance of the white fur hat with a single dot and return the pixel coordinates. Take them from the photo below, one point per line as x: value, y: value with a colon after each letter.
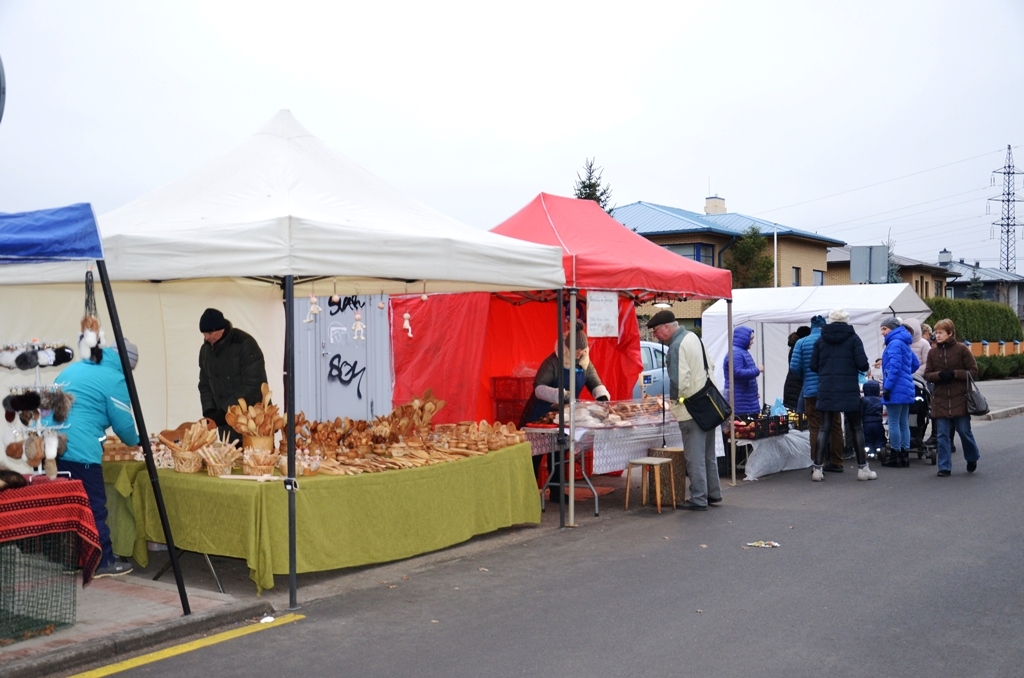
x: 838, y: 315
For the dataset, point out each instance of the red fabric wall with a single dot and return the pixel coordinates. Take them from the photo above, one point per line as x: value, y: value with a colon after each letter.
x: 460, y: 341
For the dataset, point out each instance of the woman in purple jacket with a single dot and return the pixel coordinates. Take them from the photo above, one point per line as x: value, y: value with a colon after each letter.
x: 745, y: 373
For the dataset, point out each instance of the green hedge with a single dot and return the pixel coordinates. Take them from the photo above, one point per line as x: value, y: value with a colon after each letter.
x: 977, y: 320
x: 1000, y: 367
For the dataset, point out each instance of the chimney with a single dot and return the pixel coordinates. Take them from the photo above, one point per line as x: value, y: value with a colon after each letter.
x: 945, y: 257
x: 714, y: 205
x: 961, y: 260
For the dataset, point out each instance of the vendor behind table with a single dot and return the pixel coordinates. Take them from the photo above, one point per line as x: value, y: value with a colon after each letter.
x: 544, y: 398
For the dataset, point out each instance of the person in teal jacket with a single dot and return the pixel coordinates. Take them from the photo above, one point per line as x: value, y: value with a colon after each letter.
x: 101, y: 402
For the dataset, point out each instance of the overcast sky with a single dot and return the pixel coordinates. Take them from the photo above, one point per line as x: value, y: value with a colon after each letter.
x: 853, y: 119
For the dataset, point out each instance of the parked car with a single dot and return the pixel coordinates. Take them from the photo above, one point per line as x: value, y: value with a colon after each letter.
x: 654, y: 379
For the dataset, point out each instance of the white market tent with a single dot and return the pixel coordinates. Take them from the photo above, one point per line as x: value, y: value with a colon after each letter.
x: 282, y: 203
x: 774, y: 312
x: 280, y: 206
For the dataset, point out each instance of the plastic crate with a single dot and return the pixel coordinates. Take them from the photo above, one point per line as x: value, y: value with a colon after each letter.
x: 506, y: 411
x: 511, y: 388
x: 37, y: 585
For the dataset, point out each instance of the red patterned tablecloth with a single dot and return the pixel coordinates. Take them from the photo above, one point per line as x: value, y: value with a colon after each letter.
x: 48, y: 509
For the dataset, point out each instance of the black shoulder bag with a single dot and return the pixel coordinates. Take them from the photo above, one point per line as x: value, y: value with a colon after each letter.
x: 707, y: 406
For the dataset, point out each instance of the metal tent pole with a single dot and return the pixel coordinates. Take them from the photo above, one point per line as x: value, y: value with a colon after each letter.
x: 732, y: 391
x: 560, y: 441
x: 140, y: 424
x: 572, y: 410
x: 290, y: 484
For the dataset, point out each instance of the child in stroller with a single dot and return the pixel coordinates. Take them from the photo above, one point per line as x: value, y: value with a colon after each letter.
x: 871, y: 419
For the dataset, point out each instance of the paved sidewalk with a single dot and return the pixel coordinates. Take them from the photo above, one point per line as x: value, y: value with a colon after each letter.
x: 119, y: 616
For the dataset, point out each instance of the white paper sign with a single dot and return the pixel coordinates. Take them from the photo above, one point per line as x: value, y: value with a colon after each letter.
x: 602, y: 314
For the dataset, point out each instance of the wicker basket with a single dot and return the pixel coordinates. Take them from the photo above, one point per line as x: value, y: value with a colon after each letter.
x: 217, y: 470
x: 187, y: 462
x: 258, y: 470
x: 261, y: 443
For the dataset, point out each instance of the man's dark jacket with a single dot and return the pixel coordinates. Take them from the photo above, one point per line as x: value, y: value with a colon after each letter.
x: 232, y: 368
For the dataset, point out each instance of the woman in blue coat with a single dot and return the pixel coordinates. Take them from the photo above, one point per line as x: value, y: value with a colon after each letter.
x: 898, y: 366
x: 839, y: 358
x: 745, y: 373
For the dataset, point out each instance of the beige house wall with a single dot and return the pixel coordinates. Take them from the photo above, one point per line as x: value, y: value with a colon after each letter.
x: 921, y: 279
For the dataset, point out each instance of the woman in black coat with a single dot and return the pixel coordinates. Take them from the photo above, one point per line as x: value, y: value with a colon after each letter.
x: 838, y: 358
x: 793, y: 387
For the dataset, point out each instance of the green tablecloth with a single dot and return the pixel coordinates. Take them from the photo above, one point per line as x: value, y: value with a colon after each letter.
x: 342, y: 521
x: 118, y: 479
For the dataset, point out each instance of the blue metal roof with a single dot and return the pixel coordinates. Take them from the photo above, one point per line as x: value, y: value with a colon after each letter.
x: 986, y: 275
x: 649, y: 219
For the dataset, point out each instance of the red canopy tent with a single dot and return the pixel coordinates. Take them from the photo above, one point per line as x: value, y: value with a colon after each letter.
x: 462, y: 340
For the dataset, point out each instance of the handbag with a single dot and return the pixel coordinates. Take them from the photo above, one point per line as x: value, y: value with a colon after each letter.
x: 976, y: 402
x: 707, y: 406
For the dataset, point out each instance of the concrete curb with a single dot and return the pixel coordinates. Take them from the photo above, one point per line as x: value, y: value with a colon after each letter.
x: 126, y: 642
x: 1003, y: 414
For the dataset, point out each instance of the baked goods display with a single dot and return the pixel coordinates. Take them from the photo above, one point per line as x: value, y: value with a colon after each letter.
x: 405, y: 438
x: 612, y: 414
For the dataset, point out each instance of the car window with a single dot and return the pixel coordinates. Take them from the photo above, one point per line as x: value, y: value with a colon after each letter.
x: 659, y: 358
x: 645, y: 356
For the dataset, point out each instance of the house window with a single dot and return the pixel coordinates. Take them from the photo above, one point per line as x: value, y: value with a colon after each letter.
x: 819, y: 278
x: 917, y: 288
x: 938, y: 288
x: 702, y: 252
x: 796, y: 276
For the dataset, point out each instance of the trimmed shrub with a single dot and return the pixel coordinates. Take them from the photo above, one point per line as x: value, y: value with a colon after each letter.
x: 977, y: 320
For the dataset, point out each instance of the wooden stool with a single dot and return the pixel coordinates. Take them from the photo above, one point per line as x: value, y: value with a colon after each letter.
x: 655, y: 463
x: 678, y: 473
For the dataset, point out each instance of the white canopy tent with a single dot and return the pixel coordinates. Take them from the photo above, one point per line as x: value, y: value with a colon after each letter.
x: 281, y: 203
x: 774, y: 312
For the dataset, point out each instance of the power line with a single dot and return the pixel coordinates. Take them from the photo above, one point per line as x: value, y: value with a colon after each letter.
x: 875, y: 223
x: 880, y: 183
x: 900, y: 209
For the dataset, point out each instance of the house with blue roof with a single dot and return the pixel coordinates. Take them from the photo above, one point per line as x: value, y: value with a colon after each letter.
x: 996, y: 285
x: 802, y: 255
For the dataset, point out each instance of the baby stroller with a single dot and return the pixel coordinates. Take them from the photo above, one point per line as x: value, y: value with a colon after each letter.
x: 920, y: 415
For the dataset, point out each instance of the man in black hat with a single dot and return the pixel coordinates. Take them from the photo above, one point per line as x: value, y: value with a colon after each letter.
x: 230, y: 367
x: 686, y: 362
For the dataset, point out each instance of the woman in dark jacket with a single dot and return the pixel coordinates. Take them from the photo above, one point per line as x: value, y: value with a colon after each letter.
x: 745, y: 373
x: 838, y: 359
x: 794, y: 383
x: 948, y: 365
x: 899, y: 362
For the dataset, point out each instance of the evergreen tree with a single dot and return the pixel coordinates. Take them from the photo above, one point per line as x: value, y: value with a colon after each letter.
x: 893, y: 272
x: 747, y: 260
x: 588, y: 187
x: 975, y: 288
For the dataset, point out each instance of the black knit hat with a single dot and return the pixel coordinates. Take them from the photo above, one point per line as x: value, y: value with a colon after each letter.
x: 212, y: 321
x: 661, y: 318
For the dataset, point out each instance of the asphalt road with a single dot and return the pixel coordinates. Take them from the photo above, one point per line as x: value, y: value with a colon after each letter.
x: 907, y: 575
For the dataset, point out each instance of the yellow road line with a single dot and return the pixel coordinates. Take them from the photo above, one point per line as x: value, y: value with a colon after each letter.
x: 187, y: 647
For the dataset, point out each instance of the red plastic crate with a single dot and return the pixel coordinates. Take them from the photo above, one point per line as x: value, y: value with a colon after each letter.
x: 506, y: 411
x: 588, y: 466
x: 511, y: 388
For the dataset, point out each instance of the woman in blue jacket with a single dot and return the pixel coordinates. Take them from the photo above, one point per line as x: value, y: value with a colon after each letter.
x: 745, y: 372
x: 898, y: 366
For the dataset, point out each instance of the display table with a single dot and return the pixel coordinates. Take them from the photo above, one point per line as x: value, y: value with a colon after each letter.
x: 342, y: 521
x: 46, y: 532
x: 613, y: 447
x: 118, y: 480
x: 52, y: 508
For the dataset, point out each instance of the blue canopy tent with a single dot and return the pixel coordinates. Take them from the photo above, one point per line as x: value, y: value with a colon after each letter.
x: 70, y: 234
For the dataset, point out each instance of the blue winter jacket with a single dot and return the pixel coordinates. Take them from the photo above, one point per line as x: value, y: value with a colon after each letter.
x: 101, y: 402
x: 800, y: 363
x: 898, y: 366
x: 745, y: 371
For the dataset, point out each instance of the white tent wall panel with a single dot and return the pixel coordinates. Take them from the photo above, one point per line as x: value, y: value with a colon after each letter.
x: 163, y: 319
x: 773, y: 313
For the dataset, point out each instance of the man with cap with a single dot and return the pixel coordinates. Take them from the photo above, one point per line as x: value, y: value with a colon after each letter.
x: 100, y: 402
x: 686, y: 359
x: 230, y: 367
